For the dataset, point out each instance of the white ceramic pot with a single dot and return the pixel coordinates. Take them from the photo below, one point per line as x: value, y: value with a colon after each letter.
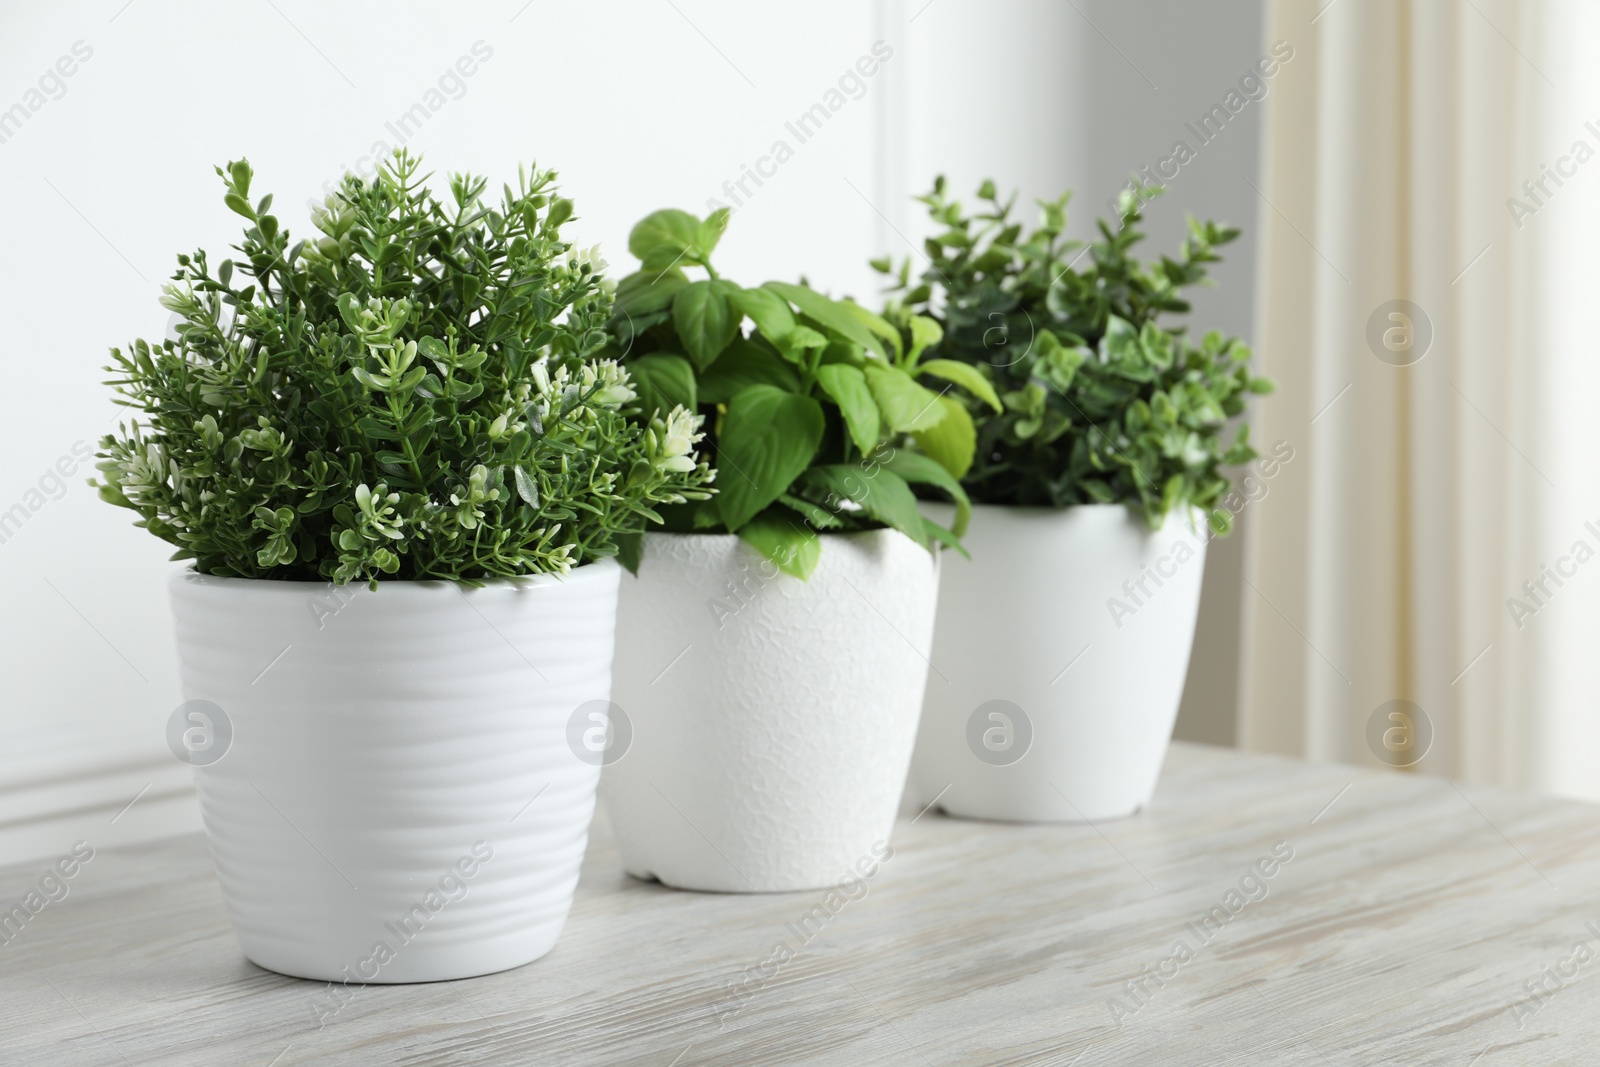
x: 772, y: 719
x: 1058, y: 663
x: 399, y: 801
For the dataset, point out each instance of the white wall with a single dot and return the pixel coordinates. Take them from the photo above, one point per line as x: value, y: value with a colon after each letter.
x: 1046, y: 96
x: 638, y: 104
x: 104, y: 185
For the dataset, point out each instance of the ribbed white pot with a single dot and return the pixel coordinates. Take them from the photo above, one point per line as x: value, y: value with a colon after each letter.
x: 399, y: 801
x: 773, y: 719
x: 1058, y: 663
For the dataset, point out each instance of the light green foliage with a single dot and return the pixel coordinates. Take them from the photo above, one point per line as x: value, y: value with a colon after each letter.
x: 809, y: 399
x: 1092, y: 400
x: 413, y: 394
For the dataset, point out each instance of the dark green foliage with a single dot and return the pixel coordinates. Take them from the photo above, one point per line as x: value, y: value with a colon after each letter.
x: 413, y: 394
x: 1102, y: 403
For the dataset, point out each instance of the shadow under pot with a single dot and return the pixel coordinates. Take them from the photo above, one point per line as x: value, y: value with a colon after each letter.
x: 1058, y: 662
x: 772, y: 718
x: 385, y: 775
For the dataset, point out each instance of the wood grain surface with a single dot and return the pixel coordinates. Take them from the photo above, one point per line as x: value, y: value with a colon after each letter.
x: 1413, y: 924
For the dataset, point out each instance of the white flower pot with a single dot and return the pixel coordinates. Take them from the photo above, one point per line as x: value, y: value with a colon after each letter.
x: 772, y: 719
x: 399, y: 801
x: 1054, y: 685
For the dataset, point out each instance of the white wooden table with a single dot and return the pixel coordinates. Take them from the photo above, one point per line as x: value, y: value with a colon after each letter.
x: 1402, y: 931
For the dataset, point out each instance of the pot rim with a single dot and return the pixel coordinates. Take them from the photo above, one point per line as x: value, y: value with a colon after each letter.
x: 1039, y: 511
x: 188, y: 577
x: 820, y: 533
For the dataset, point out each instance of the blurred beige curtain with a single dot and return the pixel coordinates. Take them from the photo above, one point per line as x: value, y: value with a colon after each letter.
x: 1436, y: 538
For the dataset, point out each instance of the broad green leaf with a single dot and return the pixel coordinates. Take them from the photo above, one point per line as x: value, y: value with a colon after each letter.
x: 798, y: 341
x: 876, y: 324
x: 744, y: 363
x: 920, y: 470
x: 952, y: 440
x: 767, y: 439
x: 646, y: 292
x: 785, y: 541
x: 818, y: 516
x: 965, y: 375
x: 906, y: 406
x: 769, y: 311
x: 925, y: 333
x: 630, y: 550
x: 847, y: 387
x: 938, y: 533
x: 670, y: 229
x: 663, y: 382
x: 705, y: 321
x: 881, y: 494
x: 711, y: 231
x: 833, y: 314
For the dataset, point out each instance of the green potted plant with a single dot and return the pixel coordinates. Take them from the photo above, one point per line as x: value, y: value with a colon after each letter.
x: 771, y: 648
x: 411, y: 400
x: 1096, y: 488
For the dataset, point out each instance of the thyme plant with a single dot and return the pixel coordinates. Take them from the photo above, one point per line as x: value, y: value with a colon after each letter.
x: 415, y: 393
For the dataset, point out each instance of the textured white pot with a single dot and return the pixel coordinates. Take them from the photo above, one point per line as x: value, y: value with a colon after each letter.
x: 386, y: 745
x: 773, y: 719
x: 1058, y: 663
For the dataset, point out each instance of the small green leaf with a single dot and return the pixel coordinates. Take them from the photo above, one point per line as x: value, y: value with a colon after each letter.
x: 527, y: 488
x: 630, y: 550
x: 705, y: 321
x: 832, y: 314
x: 711, y: 231
x: 952, y: 441
x: 965, y: 375
x: 744, y: 363
x: 816, y: 515
x: 921, y: 470
x: 906, y: 406
x: 879, y: 493
x: 786, y: 542
x: 663, y: 382
x: 768, y: 437
x: 847, y: 387
x: 925, y: 333
x: 375, y: 428
x: 646, y: 292
x: 675, y: 231
x: 769, y: 311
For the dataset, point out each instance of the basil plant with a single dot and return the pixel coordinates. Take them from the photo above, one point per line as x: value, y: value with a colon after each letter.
x: 820, y: 415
